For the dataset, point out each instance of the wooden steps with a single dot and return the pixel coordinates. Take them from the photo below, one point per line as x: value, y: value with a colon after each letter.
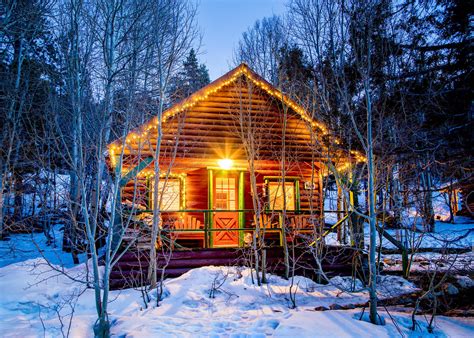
x: 132, y: 268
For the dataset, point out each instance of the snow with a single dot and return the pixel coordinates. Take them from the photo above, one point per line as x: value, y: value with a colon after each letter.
x: 38, y: 296
x: 346, y: 324
x: 21, y: 247
x: 459, y: 235
x: 431, y: 261
x: 42, y: 181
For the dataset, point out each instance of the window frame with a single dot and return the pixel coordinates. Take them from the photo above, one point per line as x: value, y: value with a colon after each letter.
x: 182, y: 191
x: 289, y: 179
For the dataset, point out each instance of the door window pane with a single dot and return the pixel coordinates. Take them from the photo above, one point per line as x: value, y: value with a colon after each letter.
x: 225, y: 194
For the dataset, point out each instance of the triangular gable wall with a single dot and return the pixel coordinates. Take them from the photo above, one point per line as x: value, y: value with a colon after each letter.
x: 215, y: 122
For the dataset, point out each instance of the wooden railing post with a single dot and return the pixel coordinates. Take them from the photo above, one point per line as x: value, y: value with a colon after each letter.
x: 206, y: 230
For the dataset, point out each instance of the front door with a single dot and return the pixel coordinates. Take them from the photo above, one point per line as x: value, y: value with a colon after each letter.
x: 225, y: 202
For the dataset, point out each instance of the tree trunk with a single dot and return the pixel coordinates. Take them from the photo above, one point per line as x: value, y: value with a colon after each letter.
x: 3, y: 232
x: 397, y: 197
x: 428, y: 212
x: 155, y: 230
x: 9, y: 128
x: 18, y: 199
x: 372, y: 214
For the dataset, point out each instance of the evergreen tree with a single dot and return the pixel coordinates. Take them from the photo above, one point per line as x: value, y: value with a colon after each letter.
x: 192, y: 77
x: 293, y: 70
x: 28, y: 79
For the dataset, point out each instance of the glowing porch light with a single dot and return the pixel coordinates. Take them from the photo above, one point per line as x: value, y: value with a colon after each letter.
x: 225, y: 163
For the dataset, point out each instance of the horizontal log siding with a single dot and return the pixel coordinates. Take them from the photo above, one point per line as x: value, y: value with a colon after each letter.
x: 211, y: 130
x: 197, y: 192
x: 136, y: 190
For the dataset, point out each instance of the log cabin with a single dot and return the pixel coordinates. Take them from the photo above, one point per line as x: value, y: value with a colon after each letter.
x: 235, y: 156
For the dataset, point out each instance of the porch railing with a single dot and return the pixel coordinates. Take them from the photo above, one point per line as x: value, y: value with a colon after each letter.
x: 274, y: 226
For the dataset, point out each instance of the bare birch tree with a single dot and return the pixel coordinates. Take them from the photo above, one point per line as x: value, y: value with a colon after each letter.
x: 172, y: 34
x: 99, y: 30
x: 260, y: 47
x: 23, y: 39
x: 324, y: 22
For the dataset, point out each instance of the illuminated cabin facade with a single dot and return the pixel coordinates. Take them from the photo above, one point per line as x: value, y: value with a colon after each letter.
x: 235, y: 144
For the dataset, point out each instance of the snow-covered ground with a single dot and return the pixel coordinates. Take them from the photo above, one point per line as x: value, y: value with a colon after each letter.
x: 38, y: 297
x: 457, y: 235
x: 37, y: 300
x: 446, y: 235
x: 432, y: 261
x: 22, y: 247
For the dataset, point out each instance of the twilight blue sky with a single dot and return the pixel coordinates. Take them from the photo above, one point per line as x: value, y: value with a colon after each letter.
x: 222, y: 23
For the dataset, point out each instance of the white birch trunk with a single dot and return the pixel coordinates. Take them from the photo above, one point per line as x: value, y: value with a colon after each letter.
x: 372, y: 214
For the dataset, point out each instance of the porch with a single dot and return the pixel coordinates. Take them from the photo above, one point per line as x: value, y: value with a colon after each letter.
x: 191, y: 239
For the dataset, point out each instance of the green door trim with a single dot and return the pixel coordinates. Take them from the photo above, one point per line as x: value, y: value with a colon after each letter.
x: 241, y: 207
x: 209, y: 220
x: 241, y: 202
x: 297, y: 193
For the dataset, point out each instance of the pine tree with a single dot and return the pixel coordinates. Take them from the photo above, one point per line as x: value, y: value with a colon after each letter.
x: 28, y: 72
x: 294, y: 71
x: 192, y: 77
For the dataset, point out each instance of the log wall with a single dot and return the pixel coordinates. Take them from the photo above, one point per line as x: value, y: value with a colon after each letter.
x: 238, y: 121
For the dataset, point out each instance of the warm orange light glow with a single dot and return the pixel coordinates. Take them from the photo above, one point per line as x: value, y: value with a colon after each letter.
x: 225, y: 163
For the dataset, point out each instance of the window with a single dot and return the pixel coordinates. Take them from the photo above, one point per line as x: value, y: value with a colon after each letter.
x: 276, y: 197
x: 171, y: 193
x: 225, y: 193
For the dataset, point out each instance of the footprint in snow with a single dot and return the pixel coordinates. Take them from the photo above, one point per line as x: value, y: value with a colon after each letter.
x: 266, y: 325
x: 224, y: 325
x: 251, y: 306
x: 193, y: 304
x: 240, y: 335
x: 273, y: 323
x: 237, y: 318
x: 197, y: 304
x: 194, y: 328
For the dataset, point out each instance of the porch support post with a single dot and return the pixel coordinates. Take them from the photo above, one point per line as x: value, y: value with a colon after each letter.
x: 297, y: 195
x: 208, y: 223
x: 340, y: 229
x: 241, y: 207
x: 117, y: 221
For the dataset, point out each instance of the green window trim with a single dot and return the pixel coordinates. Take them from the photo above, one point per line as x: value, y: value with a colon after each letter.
x: 296, y: 182
x: 210, y: 193
x: 182, y: 190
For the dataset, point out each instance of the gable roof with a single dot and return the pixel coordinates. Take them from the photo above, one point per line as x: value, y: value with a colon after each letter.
x: 243, y: 70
